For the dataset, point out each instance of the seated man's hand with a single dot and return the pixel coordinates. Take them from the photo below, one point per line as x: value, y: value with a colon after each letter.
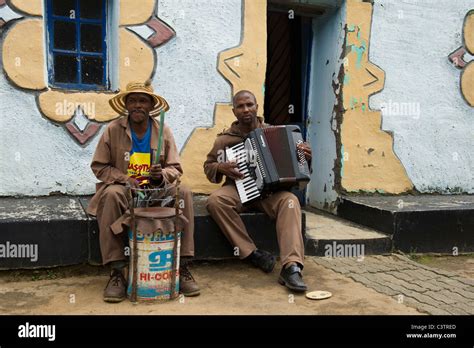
x: 230, y: 170
x: 156, y: 174
x: 306, y: 150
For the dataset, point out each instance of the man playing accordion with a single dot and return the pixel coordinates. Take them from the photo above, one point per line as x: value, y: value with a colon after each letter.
x: 224, y: 204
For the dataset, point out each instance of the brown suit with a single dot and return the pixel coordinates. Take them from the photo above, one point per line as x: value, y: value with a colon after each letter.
x: 224, y: 206
x: 110, y: 165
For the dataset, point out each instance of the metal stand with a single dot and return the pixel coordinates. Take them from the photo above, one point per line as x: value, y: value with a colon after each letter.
x: 134, y: 263
x: 174, y: 270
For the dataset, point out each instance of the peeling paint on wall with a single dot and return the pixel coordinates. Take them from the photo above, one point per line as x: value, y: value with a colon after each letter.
x: 325, y: 109
x: 361, y: 125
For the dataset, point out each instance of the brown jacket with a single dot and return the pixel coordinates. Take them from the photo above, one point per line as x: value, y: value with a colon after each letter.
x: 227, y: 138
x: 111, y: 157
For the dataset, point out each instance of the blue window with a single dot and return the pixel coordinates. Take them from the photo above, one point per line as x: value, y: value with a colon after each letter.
x: 77, y: 44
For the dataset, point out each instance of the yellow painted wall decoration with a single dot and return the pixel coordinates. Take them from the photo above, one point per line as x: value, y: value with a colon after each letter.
x: 24, y: 60
x: 467, y: 77
x: 244, y: 67
x: 457, y: 58
x: 22, y: 67
x: 134, y: 12
x: 30, y: 7
x: 369, y: 162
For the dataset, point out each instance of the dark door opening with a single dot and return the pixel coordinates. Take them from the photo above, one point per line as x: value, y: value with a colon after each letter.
x: 304, y: 43
x: 289, y: 39
x: 289, y: 42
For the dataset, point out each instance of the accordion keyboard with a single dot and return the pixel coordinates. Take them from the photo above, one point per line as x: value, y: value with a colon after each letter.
x: 249, y: 187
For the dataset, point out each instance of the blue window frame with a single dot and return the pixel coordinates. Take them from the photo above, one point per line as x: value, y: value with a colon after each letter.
x: 77, y: 44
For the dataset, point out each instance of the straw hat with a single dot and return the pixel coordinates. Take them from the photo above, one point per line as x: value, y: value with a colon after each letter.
x: 118, y: 102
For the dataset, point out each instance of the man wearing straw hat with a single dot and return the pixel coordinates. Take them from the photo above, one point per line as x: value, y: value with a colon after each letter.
x: 122, y: 160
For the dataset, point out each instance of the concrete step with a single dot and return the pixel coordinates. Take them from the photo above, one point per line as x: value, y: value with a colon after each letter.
x: 421, y: 223
x: 210, y: 243
x: 65, y: 235
x: 43, y: 232
x: 331, y: 236
x: 56, y: 231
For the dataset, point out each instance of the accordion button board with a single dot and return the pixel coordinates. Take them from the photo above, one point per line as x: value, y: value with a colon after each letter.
x: 269, y: 160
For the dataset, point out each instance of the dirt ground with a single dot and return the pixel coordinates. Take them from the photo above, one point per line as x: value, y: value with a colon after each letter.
x: 227, y: 287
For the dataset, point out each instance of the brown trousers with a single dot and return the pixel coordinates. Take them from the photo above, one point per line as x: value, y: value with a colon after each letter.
x: 224, y: 206
x: 113, y: 204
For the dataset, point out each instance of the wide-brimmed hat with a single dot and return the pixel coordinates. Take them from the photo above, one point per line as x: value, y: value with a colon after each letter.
x: 118, y: 102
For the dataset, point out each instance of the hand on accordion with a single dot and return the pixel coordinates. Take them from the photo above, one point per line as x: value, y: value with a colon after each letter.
x: 230, y: 170
x: 306, y: 150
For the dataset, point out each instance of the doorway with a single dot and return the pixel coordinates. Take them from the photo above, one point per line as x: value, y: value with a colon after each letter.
x: 304, y: 48
x: 289, y: 39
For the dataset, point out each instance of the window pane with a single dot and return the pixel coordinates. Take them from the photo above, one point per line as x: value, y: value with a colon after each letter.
x: 65, y: 68
x: 92, y: 70
x: 65, y: 35
x: 91, y: 38
x: 66, y: 8
x: 91, y: 9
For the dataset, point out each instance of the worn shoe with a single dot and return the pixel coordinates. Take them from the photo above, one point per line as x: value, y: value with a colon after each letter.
x: 291, y: 277
x: 187, y: 285
x: 116, y: 289
x: 263, y: 260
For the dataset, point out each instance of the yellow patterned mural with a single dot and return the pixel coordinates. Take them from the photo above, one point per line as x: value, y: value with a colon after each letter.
x: 24, y: 58
x: 244, y: 67
x: 458, y: 59
x: 467, y: 77
x: 368, y: 160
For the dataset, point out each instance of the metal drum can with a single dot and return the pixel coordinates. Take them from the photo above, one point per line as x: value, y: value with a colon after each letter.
x: 155, y: 274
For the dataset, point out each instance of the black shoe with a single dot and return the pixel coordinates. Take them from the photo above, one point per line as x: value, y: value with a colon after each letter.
x: 263, y: 260
x: 291, y: 277
x: 187, y: 285
x: 116, y: 289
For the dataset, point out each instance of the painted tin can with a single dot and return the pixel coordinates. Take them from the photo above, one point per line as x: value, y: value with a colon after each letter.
x: 154, y: 266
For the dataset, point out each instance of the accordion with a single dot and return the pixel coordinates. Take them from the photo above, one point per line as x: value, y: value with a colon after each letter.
x: 270, y: 161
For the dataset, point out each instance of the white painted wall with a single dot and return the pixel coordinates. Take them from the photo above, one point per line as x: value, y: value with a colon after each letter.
x: 38, y: 157
x: 328, y: 41
x: 186, y: 73
x: 411, y: 41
